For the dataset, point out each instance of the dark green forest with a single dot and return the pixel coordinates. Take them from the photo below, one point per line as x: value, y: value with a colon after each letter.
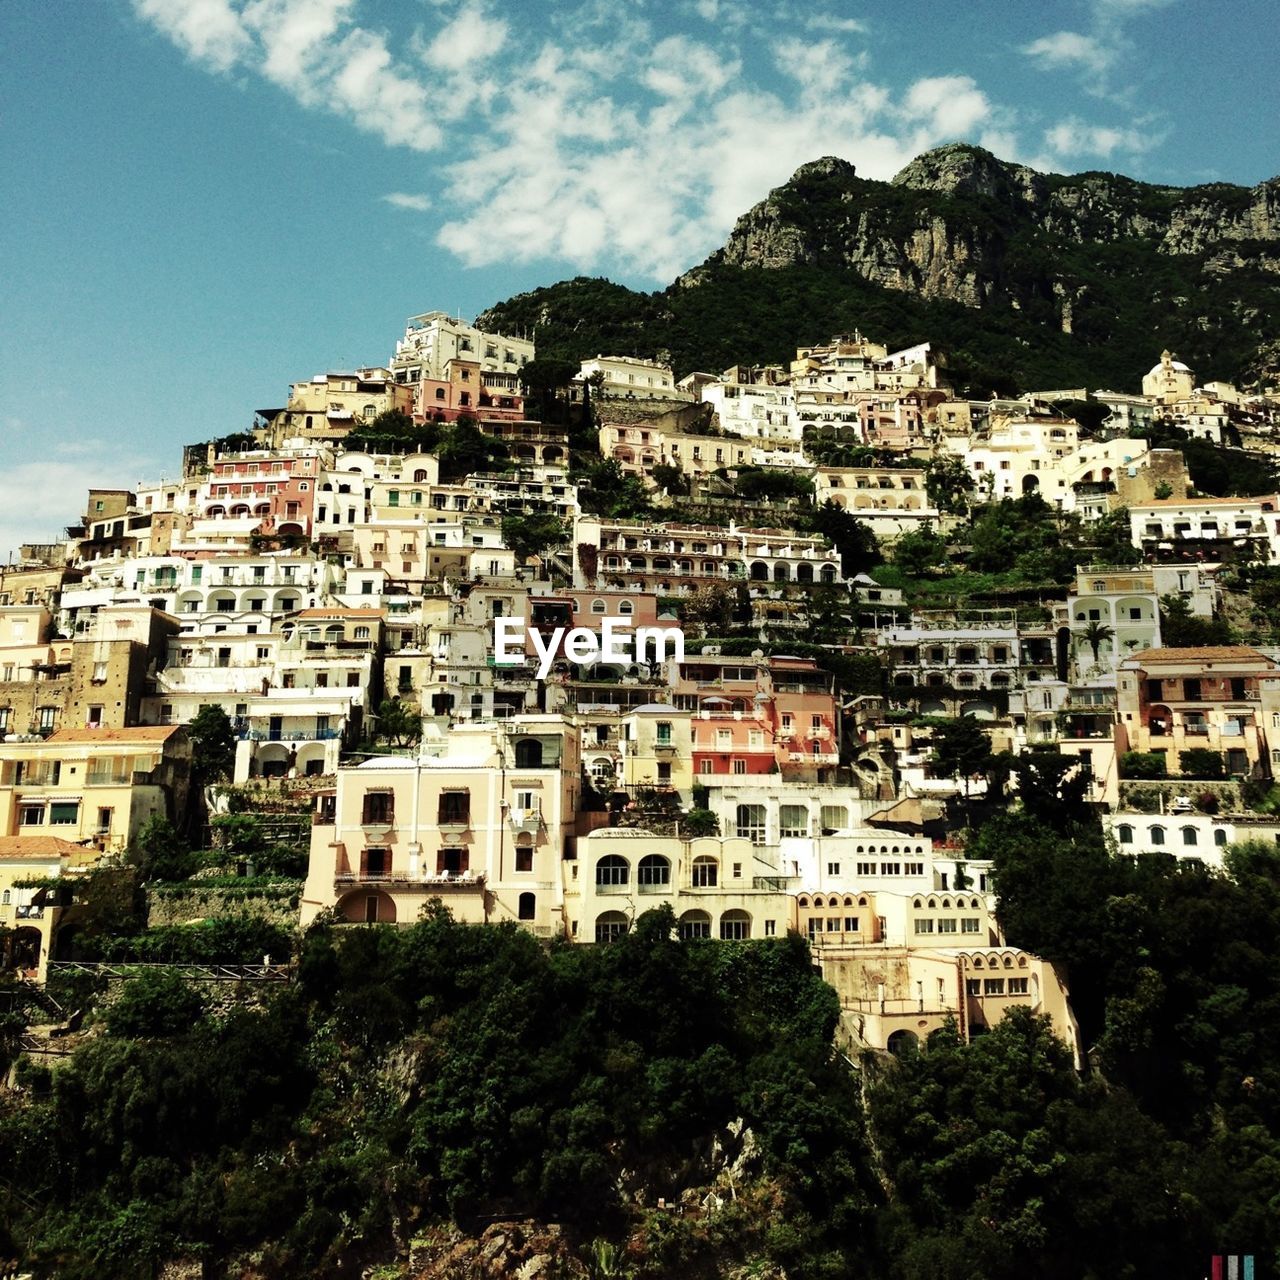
x: 446, y: 1072
x: 1130, y: 297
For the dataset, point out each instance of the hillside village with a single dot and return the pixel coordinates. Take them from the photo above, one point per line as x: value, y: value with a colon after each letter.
x: 878, y: 611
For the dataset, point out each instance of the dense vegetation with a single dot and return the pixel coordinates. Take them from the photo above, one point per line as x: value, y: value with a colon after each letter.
x: 1129, y: 297
x: 454, y: 1072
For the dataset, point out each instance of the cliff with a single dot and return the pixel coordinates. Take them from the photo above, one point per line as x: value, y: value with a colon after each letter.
x: 1026, y: 278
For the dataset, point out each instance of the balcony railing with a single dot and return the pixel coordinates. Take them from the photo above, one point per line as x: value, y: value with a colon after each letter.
x: 289, y: 735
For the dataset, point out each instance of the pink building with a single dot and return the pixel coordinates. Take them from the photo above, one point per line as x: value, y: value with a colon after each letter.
x: 280, y: 492
x: 759, y: 715
x: 467, y: 391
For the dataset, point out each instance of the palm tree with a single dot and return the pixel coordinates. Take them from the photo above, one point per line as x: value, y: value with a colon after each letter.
x: 1095, y: 635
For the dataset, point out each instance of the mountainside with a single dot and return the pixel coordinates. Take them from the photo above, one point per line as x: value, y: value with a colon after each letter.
x: 1024, y: 279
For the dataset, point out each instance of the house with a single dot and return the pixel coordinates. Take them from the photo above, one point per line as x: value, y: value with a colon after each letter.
x: 1209, y: 699
x: 480, y: 817
x: 94, y: 787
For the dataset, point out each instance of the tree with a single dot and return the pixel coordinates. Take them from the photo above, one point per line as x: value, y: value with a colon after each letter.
x: 852, y: 538
x: 464, y: 449
x: 533, y: 535
x: 399, y: 723
x: 1181, y: 629
x: 1095, y: 635
x: 669, y: 478
x: 949, y: 485
x: 160, y: 853
x: 160, y: 1003
x: 213, y: 743
x: 962, y: 749
x: 920, y: 551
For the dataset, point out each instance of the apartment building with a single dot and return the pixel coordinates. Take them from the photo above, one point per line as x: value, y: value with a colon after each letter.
x: 1176, y: 700
x: 94, y: 787
x: 480, y: 818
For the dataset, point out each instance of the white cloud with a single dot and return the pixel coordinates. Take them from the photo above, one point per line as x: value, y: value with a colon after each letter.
x: 38, y: 499
x: 207, y: 30
x: 1073, y: 137
x: 1070, y: 49
x: 404, y: 200
x: 601, y: 139
x: 471, y: 37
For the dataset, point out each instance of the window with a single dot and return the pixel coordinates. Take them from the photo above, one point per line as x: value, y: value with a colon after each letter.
x: 833, y: 868
x: 890, y: 868
x: 1190, y: 836
x: 866, y: 868
x: 527, y: 909
x: 851, y: 924
x: 612, y: 870
x: 64, y: 813
x: 705, y: 872
x: 1017, y: 986
x: 31, y: 815
x: 378, y: 809
x: 664, y: 733
x: 455, y: 808
x: 750, y: 822
x: 654, y: 871
x: 970, y: 924
x: 735, y: 926
x: 1157, y: 835
x: 793, y: 821
x: 946, y: 926
x: 972, y: 986
x: 695, y: 924
x: 835, y: 817
x: 1124, y: 833
x: 923, y: 926
x: 739, y: 766
x: 993, y: 986
x: 913, y: 868
x: 610, y: 926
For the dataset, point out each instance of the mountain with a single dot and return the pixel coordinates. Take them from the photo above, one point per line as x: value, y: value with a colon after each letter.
x: 1023, y: 279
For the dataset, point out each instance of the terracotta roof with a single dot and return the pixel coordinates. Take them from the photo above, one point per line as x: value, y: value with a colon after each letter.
x: 142, y: 733
x: 1210, y: 653
x: 36, y: 847
x: 339, y: 613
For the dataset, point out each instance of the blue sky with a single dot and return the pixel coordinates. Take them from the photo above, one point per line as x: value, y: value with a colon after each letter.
x: 205, y: 200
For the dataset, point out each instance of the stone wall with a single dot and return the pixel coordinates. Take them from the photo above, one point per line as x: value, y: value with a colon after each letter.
x: 180, y: 905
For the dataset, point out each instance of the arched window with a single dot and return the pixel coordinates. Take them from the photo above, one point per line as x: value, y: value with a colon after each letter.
x: 735, y: 926
x: 705, y: 872
x: 1219, y: 836
x: 1124, y: 833
x: 695, y: 924
x: 803, y: 901
x: 610, y: 926
x: 528, y: 754
x: 819, y: 902
x: 420, y: 476
x: 1157, y: 835
x: 654, y: 871
x: 598, y: 606
x: 1190, y: 836
x: 626, y: 608
x: 612, y: 870
x: 528, y: 906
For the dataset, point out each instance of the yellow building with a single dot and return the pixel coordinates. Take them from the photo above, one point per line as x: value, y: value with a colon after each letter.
x: 657, y: 749
x: 481, y: 818
x: 1176, y: 700
x: 94, y: 787
x: 28, y: 915
x: 717, y: 888
x: 895, y: 997
x: 1168, y: 381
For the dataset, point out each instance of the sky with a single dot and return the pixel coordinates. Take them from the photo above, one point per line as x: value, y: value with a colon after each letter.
x: 202, y: 201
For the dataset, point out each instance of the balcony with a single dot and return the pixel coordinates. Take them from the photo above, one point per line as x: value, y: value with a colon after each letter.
x: 289, y: 735
x: 529, y: 820
x: 433, y: 881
